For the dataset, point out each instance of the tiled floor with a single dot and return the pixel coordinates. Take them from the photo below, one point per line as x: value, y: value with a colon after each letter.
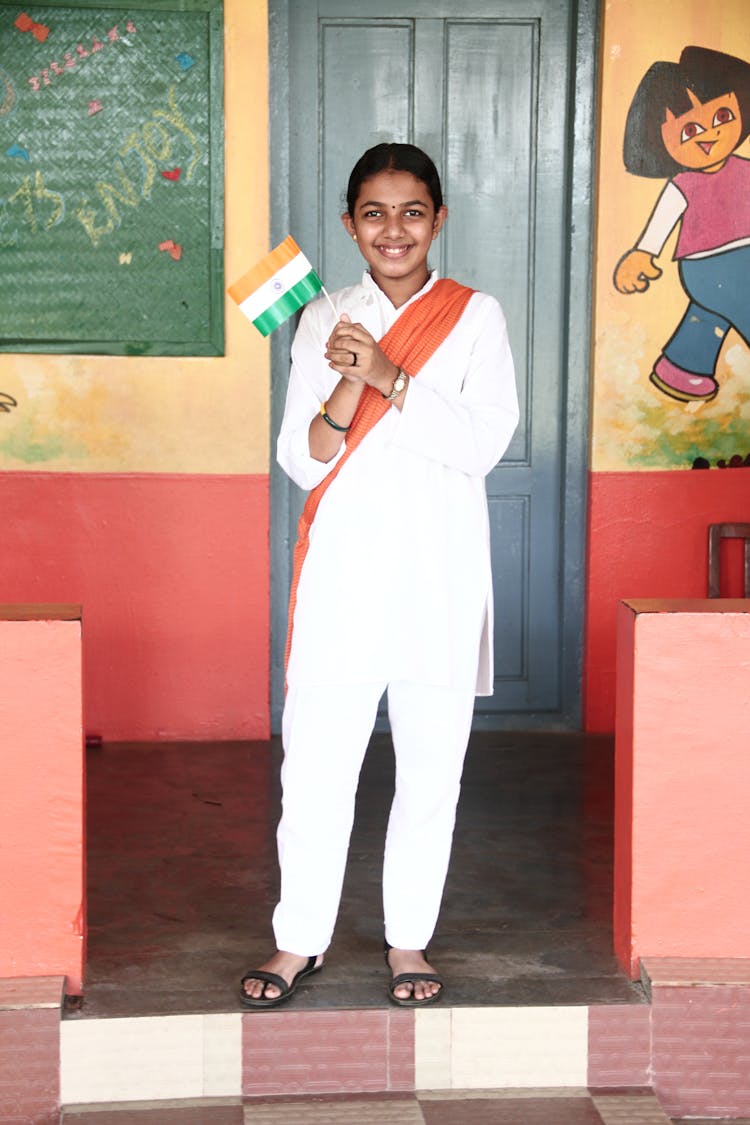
x: 182, y: 881
x: 530, y: 1107
x: 182, y: 878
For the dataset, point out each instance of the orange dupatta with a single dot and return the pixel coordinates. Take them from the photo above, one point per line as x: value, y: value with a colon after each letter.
x: 409, y: 343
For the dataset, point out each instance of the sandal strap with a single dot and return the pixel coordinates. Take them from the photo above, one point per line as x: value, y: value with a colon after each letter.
x: 267, y: 978
x: 412, y: 978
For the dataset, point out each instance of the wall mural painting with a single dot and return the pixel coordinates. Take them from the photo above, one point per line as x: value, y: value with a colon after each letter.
x: 685, y: 124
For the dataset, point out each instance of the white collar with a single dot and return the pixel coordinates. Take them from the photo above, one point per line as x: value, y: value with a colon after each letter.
x: 370, y: 284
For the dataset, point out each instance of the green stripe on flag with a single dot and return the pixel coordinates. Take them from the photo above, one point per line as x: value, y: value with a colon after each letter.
x: 288, y: 303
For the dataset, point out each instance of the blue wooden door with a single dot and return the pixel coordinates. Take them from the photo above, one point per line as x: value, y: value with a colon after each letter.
x: 500, y: 94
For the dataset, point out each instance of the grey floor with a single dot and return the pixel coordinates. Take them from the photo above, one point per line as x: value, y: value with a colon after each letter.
x: 182, y: 878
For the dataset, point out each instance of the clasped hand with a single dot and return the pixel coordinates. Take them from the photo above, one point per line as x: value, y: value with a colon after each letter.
x: 358, y: 358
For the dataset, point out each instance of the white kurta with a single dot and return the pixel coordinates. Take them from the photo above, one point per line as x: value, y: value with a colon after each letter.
x: 397, y: 581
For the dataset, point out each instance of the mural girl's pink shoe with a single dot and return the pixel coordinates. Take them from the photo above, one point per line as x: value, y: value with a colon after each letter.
x: 681, y: 384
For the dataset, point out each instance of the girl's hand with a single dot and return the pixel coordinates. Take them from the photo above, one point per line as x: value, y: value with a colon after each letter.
x: 635, y: 271
x: 355, y: 354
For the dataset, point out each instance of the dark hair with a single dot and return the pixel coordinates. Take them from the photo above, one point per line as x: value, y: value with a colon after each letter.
x: 394, y: 157
x: 709, y: 74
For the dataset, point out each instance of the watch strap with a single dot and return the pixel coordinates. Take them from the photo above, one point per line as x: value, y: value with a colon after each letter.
x: 398, y: 385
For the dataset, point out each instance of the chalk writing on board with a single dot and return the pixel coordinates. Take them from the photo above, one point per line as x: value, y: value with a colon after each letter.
x: 152, y: 144
x: 76, y: 55
x: 8, y: 95
x: 39, y: 207
x: 111, y: 146
x: 7, y: 402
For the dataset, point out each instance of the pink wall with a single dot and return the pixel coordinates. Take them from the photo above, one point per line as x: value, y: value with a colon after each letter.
x: 42, y: 882
x: 648, y: 538
x: 682, y: 835
x: 173, y: 576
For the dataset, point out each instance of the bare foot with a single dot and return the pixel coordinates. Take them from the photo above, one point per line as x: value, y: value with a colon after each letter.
x: 285, y: 965
x: 412, y: 961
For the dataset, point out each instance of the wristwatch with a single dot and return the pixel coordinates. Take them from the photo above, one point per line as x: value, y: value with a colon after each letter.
x: 398, y: 385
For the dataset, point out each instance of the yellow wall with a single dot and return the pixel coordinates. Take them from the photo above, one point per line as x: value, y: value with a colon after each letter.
x: 634, y: 425
x: 168, y: 415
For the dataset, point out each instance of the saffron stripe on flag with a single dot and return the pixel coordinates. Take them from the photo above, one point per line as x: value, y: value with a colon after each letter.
x: 276, y: 287
x: 264, y: 269
x: 270, y: 291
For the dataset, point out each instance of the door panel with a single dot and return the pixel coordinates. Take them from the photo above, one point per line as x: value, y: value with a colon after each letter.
x: 486, y: 93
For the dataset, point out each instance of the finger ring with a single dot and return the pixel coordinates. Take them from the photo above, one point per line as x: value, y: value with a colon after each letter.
x: 354, y: 359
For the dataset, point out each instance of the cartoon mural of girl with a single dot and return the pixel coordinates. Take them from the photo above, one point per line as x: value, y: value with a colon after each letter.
x: 685, y: 121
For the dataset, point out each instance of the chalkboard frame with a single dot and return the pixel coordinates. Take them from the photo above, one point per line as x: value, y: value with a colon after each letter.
x: 210, y: 341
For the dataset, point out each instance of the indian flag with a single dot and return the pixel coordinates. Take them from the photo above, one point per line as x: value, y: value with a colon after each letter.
x: 276, y: 287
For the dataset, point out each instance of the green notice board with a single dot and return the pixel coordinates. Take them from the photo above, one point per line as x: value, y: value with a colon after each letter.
x: 111, y: 177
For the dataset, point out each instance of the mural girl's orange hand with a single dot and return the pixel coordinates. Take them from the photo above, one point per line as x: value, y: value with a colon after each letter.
x: 635, y: 271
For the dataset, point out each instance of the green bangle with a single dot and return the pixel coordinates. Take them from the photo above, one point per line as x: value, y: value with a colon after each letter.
x: 327, y: 418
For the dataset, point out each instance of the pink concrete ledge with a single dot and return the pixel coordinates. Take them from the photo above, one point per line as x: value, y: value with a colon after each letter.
x: 42, y: 890
x: 682, y: 780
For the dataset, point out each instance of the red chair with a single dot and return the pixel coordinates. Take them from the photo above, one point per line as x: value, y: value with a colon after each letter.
x: 717, y: 532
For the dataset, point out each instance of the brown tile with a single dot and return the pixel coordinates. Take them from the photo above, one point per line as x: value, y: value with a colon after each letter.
x: 619, y: 1045
x: 696, y: 970
x: 627, y: 1109
x: 134, y: 1115
x: 336, y: 1111
x: 511, y: 1111
x: 711, y: 1121
x: 314, y: 1052
x: 701, y: 1050
x: 29, y: 1066
x: 31, y: 992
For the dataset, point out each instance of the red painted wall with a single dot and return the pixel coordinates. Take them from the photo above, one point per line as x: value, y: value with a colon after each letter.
x: 173, y: 576
x: 648, y: 538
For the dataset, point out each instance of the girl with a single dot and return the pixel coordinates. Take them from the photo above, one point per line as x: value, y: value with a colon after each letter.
x: 394, y: 415
x: 686, y: 121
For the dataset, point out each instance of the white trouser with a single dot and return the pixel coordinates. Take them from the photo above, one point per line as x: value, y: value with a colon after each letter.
x: 325, y: 733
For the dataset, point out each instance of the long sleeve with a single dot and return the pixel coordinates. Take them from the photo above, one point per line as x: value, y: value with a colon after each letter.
x: 468, y: 424
x: 311, y: 382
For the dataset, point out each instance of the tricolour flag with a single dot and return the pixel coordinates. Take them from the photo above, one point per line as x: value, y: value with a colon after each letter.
x: 276, y: 287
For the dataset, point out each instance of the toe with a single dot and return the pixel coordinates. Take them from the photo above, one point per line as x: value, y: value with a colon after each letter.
x: 261, y: 989
x: 404, y: 991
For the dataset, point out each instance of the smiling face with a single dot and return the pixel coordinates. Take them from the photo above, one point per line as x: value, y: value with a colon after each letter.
x: 703, y: 138
x: 395, y: 223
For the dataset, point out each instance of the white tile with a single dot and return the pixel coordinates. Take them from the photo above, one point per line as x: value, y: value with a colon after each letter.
x: 432, y: 1049
x: 222, y: 1056
x: 505, y: 1047
x: 141, y: 1059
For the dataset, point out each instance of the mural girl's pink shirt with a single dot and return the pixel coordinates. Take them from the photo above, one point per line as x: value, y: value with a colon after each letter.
x: 718, y: 208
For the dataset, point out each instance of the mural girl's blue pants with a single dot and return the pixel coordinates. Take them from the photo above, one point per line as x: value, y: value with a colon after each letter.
x: 719, y: 291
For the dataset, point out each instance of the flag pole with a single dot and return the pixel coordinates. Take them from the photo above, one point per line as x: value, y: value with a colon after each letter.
x: 324, y: 291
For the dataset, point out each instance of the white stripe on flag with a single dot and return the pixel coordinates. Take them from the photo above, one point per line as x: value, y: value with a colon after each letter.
x: 281, y: 282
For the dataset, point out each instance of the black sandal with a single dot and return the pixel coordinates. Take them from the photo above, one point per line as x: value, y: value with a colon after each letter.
x: 285, y: 990
x: 412, y: 978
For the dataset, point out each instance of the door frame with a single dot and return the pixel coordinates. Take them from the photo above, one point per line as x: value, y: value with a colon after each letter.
x: 584, y: 19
